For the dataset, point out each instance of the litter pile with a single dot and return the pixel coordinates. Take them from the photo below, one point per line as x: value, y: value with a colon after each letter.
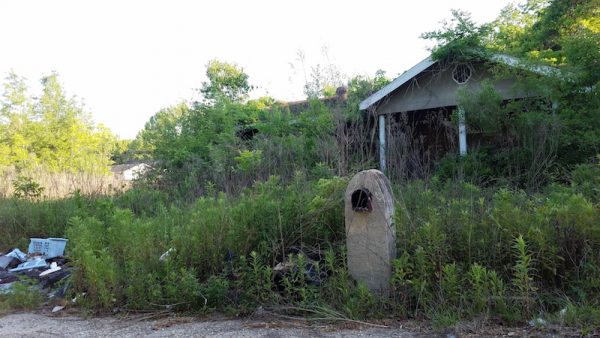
x: 43, y: 267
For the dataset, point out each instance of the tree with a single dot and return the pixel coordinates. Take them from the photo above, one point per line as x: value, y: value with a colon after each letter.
x: 512, y: 25
x: 225, y: 82
x: 459, y: 39
x: 16, y: 117
x: 161, y: 133
x: 563, y: 124
x: 52, y: 131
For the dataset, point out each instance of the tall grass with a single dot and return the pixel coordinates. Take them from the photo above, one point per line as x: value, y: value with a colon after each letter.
x: 463, y: 251
x: 63, y: 184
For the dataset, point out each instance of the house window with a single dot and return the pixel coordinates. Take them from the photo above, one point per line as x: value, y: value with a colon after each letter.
x: 461, y: 73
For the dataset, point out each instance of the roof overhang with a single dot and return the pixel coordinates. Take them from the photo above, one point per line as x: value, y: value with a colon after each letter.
x: 507, y: 60
x: 399, y: 81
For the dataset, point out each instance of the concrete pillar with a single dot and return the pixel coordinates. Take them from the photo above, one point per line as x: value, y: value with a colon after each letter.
x: 462, y: 132
x: 382, y: 143
x: 370, y: 230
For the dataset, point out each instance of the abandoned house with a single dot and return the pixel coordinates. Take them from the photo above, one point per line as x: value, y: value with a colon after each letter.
x: 414, y: 112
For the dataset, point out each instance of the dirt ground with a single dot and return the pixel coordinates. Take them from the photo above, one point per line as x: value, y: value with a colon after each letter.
x: 41, y: 325
x: 69, y: 325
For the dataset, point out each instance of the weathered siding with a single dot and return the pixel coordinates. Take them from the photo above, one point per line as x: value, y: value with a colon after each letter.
x: 435, y: 88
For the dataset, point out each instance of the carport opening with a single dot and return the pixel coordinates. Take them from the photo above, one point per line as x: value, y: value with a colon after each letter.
x: 361, y: 200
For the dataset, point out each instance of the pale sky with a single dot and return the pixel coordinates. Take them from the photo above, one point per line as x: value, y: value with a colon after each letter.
x: 129, y: 59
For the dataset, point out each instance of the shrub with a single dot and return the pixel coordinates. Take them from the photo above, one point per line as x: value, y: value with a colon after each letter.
x: 22, y: 296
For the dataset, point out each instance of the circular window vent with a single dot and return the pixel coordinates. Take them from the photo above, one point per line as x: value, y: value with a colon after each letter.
x: 461, y: 73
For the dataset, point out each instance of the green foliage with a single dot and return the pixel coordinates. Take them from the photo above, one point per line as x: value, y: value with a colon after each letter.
x: 225, y: 82
x: 585, y: 316
x: 450, y: 286
x: 586, y: 180
x: 445, y: 319
x: 52, y: 131
x: 160, y: 132
x: 248, y: 160
x: 479, y: 288
x: 497, y: 290
x: 21, y: 296
x: 460, y: 39
x: 528, y: 143
x: 240, y: 184
x: 226, y: 144
x: 259, y: 280
x: 320, y: 80
x: 567, y: 34
x: 465, y: 251
x: 518, y: 149
x: 118, y: 263
x: 21, y: 219
x: 26, y: 187
x: 117, y: 251
x: 215, y: 291
x: 494, y: 236
x: 523, y: 276
x: 341, y: 292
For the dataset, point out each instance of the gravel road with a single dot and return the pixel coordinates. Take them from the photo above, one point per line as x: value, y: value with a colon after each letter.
x: 65, y: 324
x: 42, y: 325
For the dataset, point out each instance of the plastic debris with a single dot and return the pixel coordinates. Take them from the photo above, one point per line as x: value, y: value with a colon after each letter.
x: 166, y: 255
x: 8, y: 262
x: 57, y: 308
x: 53, y: 268
x: 34, y: 263
x: 18, y: 254
x: 563, y: 312
x: 43, y: 268
x: 74, y: 300
x: 49, y: 247
x: 537, y: 322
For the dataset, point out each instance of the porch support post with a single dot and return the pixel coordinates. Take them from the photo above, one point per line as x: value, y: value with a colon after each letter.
x: 462, y: 132
x: 382, y: 143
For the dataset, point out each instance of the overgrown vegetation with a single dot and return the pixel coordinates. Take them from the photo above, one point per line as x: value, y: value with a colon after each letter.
x: 49, y: 146
x: 52, y: 130
x: 531, y: 142
x: 245, y: 205
x: 463, y: 251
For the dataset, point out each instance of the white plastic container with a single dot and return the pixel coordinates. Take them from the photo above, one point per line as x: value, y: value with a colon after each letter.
x: 49, y: 247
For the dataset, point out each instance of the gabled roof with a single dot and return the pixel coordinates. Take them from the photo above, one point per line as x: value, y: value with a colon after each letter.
x: 399, y: 81
x: 428, y: 62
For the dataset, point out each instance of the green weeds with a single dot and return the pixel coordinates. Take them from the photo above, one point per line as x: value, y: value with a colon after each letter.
x: 464, y: 252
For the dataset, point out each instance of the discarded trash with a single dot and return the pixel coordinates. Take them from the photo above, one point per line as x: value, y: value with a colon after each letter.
x: 60, y: 292
x: 12, y: 259
x: 18, y: 254
x: 42, y: 268
x: 49, y: 247
x: 8, y: 262
x: 166, y: 255
x: 6, y: 288
x: 49, y: 280
x: 57, y: 308
x: 31, y: 264
x: 311, y: 270
x: 7, y: 277
x: 74, y: 300
x: 538, y: 322
x: 53, y: 268
x: 563, y: 312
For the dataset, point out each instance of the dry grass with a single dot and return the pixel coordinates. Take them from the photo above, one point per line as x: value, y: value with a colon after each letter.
x: 59, y: 185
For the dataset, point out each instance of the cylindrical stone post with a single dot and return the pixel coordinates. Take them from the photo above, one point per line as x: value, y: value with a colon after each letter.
x: 370, y: 230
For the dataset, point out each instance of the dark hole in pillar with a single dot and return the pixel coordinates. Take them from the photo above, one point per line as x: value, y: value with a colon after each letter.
x: 361, y: 200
